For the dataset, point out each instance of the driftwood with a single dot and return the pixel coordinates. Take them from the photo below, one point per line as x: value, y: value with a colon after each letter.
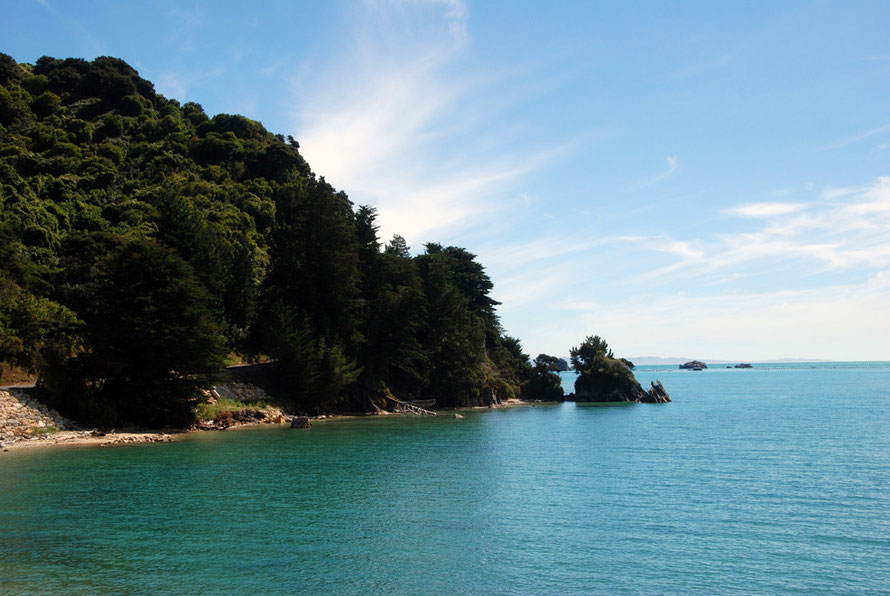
x: 405, y: 407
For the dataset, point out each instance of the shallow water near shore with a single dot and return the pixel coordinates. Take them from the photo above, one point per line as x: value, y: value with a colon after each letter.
x: 765, y: 480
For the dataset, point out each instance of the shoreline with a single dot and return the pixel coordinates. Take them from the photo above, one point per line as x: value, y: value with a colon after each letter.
x: 84, y: 438
x: 92, y: 438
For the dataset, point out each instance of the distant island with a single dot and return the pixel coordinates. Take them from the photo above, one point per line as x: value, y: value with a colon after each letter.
x: 667, y: 361
x: 694, y: 365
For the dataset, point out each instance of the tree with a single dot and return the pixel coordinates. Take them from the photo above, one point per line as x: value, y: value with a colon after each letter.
x: 592, y: 349
x: 150, y: 343
x: 601, y: 376
x: 102, y: 180
x: 546, y: 383
x: 398, y: 247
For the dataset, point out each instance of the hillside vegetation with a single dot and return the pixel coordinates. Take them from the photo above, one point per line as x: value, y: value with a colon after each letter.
x: 142, y: 240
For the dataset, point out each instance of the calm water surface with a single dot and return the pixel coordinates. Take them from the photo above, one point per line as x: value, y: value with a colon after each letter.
x: 752, y: 481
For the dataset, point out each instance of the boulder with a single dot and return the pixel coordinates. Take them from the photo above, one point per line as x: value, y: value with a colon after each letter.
x: 301, y: 422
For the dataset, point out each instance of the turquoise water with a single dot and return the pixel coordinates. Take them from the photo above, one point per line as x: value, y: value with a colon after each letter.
x: 752, y: 481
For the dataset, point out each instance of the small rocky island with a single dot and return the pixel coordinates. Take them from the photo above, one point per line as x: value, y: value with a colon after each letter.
x: 743, y: 365
x: 602, y: 378
x: 694, y: 365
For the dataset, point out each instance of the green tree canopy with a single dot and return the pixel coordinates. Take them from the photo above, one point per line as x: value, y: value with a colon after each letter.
x: 150, y: 342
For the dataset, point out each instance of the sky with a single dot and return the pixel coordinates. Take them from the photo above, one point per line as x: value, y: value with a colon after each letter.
x: 684, y: 179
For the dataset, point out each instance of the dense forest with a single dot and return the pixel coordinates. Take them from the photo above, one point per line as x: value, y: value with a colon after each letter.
x: 143, y: 242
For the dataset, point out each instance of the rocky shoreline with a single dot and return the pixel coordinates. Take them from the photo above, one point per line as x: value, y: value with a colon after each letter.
x: 26, y: 423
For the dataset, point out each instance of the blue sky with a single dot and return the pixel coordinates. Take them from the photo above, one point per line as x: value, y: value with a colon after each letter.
x: 688, y: 178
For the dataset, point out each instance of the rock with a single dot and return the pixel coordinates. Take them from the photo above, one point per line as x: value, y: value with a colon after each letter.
x: 656, y: 394
x: 492, y: 397
x: 458, y: 416
x: 301, y: 422
x: 694, y: 365
x: 743, y: 365
x: 562, y: 365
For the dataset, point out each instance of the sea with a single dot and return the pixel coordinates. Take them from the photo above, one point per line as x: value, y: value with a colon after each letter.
x: 771, y: 480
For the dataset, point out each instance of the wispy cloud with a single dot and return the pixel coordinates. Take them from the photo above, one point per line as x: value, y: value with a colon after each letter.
x: 682, y: 249
x: 673, y: 162
x: 757, y: 279
x: 874, y: 200
x: 847, y: 228
x: 404, y: 133
x: 765, y: 209
x: 846, y: 141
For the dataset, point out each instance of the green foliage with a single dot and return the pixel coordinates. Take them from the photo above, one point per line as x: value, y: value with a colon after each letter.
x: 141, y: 239
x: 208, y: 411
x: 42, y: 430
x: 149, y: 340
x: 592, y: 350
x: 601, y: 376
x: 32, y: 325
x: 546, y: 384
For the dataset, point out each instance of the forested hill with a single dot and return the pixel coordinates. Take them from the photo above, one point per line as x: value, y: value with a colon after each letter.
x: 141, y: 241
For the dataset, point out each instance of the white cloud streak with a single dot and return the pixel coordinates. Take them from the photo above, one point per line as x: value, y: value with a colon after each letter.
x: 396, y: 122
x: 673, y: 162
x: 765, y: 209
x: 841, y: 143
x: 847, y: 228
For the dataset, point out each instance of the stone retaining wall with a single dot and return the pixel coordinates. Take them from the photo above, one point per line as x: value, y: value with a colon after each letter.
x: 22, y: 418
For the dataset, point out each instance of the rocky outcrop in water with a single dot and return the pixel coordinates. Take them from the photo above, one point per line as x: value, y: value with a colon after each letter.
x: 603, y: 378
x: 693, y: 365
x: 612, y: 381
x: 656, y: 394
